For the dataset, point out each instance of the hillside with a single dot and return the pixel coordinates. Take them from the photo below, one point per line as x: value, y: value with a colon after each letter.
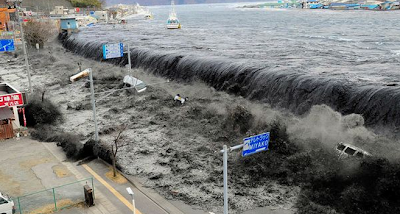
x: 164, y: 2
x: 41, y: 4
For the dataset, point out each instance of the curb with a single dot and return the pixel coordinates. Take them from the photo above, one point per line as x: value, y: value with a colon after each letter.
x: 149, y: 193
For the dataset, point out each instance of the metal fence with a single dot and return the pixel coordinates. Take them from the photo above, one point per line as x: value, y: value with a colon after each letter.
x: 53, y: 199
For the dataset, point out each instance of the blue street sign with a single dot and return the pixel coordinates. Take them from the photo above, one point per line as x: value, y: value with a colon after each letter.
x: 113, y: 50
x: 7, y: 45
x: 255, y: 144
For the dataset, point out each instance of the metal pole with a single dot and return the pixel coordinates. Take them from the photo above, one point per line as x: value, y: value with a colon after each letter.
x: 55, y: 201
x: 129, y: 59
x: 225, y: 148
x: 24, y: 48
x: 133, y: 204
x: 19, y: 206
x: 94, y: 195
x: 93, y: 104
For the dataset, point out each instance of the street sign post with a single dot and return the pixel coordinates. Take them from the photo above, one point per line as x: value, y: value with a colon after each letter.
x: 250, y: 146
x: 113, y: 50
x: 255, y: 144
x: 7, y: 45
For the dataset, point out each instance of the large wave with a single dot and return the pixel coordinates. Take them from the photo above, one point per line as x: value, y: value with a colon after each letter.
x: 296, y: 91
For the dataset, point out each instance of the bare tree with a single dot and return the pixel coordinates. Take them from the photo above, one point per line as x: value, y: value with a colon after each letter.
x: 38, y: 32
x: 117, y: 143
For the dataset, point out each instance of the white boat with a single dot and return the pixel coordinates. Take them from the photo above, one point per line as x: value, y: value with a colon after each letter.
x: 173, y: 21
x: 148, y: 15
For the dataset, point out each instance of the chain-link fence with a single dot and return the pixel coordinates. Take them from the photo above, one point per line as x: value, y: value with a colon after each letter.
x: 53, y: 199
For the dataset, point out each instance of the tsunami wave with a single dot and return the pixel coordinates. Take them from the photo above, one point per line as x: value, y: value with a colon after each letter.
x: 298, y: 92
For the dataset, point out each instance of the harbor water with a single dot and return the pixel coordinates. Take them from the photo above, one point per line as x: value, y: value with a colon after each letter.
x: 290, y: 58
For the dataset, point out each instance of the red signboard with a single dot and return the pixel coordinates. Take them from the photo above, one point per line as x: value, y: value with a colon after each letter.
x: 11, y: 100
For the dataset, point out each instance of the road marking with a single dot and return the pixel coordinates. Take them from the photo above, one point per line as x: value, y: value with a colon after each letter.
x: 109, y: 187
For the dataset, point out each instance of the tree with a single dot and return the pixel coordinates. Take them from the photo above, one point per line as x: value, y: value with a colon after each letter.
x: 117, y: 143
x: 38, y: 32
x: 87, y: 3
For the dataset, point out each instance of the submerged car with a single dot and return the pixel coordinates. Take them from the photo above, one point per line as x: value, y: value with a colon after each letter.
x: 348, y: 150
x: 6, y: 205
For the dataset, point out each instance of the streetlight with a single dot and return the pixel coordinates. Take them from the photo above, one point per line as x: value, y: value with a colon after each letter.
x: 85, y: 73
x: 130, y: 192
x: 23, y: 41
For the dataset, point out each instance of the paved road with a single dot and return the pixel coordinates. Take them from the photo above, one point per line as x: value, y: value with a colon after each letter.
x: 110, y: 196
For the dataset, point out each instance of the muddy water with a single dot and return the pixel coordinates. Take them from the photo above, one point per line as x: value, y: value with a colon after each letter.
x: 288, y: 58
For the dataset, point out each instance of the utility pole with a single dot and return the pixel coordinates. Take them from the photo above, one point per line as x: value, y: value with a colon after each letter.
x: 93, y: 105
x: 79, y: 75
x: 23, y: 44
x: 225, y: 151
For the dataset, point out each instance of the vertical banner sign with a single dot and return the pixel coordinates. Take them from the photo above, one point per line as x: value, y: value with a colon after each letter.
x: 255, y: 144
x: 7, y: 45
x: 113, y: 50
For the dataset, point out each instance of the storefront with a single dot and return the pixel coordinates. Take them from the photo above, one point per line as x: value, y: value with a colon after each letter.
x: 11, y: 103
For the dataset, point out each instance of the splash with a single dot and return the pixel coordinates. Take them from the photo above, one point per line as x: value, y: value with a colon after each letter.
x: 293, y: 90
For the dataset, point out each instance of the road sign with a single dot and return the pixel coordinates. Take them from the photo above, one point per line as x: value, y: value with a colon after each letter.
x: 113, y: 50
x: 11, y: 100
x: 255, y: 144
x: 7, y: 45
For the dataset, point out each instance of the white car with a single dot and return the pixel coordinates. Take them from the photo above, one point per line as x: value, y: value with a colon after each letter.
x: 347, y: 150
x: 6, y: 205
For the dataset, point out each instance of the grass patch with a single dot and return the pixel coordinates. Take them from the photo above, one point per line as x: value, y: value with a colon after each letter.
x: 119, y: 179
x: 61, y: 171
x: 47, y: 209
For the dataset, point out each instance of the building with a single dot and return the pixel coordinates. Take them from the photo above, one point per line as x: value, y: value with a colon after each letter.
x: 6, y: 16
x: 101, y: 16
x: 59, y: 10
x: 10, y: 101
x: 68, y: 24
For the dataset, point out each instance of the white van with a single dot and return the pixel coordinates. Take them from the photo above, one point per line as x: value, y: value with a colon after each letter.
x: 6, y: 205
x: 347, y: 150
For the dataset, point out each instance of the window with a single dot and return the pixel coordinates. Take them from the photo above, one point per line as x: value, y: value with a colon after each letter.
x: 350, y: 151
x: 359, y: 155
x: 3, y: 201
x: 340, y: 147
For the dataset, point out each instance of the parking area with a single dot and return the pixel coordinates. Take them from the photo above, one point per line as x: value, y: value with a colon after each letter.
x: 29, y: 168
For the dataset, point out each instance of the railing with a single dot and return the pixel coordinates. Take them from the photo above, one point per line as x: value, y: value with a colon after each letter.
x: 53, y: 199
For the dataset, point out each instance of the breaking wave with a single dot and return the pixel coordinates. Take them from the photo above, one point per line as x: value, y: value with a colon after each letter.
x: 296, y: 91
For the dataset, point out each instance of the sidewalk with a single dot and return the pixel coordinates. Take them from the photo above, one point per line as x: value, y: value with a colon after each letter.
x: 112, y: 197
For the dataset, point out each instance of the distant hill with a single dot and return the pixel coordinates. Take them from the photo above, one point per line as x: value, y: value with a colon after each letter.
x: 41, y: 4
x: 164, y: 2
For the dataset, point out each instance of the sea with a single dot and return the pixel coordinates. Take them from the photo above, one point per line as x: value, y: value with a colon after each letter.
x: 291, y: 58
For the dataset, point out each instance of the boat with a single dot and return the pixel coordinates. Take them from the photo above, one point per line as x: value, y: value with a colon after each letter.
x: 148, y: 15
x: 173, y: 21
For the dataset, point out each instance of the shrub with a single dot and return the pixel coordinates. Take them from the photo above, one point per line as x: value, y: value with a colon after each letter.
x: 86, y: 3
x: 239, y: 119
x: 40, y: 112
x: 38, y: 32
x: 307, y: 207
x: 70, y: 143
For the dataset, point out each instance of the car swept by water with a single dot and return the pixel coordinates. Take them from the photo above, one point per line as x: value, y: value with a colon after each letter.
x: 348, y: 150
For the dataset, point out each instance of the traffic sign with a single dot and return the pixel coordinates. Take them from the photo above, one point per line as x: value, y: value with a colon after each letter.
x: 255, y: 144
x: 11, y: 100
x: 113, y: 50
x: 7, y: 45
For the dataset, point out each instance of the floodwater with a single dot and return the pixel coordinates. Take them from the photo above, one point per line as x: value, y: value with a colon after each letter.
x: 291, y: 58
